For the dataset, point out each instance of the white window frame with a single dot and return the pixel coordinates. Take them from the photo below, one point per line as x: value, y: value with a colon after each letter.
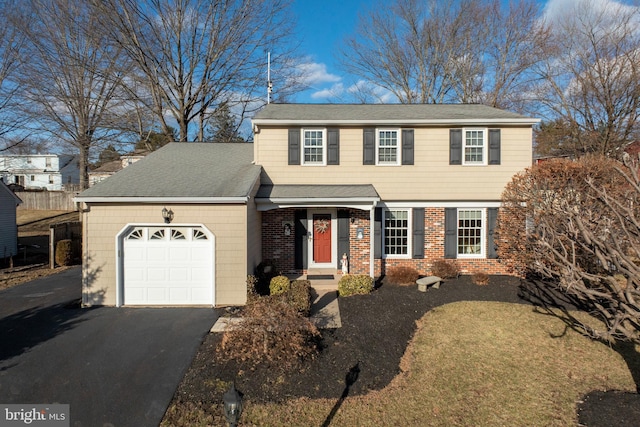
x: 409, y: 212
x: 304, y: 147
x: 485, y: 146
x: 398, y: 161
x: 483, y: 234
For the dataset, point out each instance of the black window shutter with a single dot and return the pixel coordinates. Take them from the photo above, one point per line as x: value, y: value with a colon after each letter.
x: 294, y: 146
x: 418, y: 233
x: 455, y: 146
x: 300, y: 244
x: 377, y: 233
x: 450, y: 233
x: 343, y: 236
x: 494, y: 146
x: 407, y: 146
x: 333, y: 146
x: 369, y: 146
x: 492, y: 216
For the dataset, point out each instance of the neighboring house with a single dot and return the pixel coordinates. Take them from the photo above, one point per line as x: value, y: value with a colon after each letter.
x: 40, y: 171
x: 107, y: 169
x: 8, y: 225
x: 387, y: 185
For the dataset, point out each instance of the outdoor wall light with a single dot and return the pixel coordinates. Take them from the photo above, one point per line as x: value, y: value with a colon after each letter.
x: 360, y: 233
x: 167, y: 214
x: 286, y: 228
x: 232, y: 406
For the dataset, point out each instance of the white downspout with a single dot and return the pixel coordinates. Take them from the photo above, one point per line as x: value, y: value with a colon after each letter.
x: 372, y: 225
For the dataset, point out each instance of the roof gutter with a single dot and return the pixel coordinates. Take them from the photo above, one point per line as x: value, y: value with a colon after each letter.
x: 161, y: 200
x: 457, y: 122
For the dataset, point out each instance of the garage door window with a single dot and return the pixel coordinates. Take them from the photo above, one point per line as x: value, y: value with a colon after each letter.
x: 182, y: 233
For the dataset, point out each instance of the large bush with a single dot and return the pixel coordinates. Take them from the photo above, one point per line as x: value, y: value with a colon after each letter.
x: 265, y: 271
x: 574, y: 225
x: 271, y: 331
x: 355, y: 284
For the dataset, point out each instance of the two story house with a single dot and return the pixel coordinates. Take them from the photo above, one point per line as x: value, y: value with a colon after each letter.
x: 40, y: 171
x: 383, y: 185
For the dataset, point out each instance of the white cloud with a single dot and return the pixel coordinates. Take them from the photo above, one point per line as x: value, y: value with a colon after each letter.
x: 333, y: 92
x: 314, y: 73
x: 562, y: 12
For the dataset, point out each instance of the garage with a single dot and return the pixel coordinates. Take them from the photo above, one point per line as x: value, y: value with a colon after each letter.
x: 167, y: 265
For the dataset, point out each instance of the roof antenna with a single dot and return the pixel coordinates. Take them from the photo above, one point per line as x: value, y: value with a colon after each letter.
x: 269, y: 84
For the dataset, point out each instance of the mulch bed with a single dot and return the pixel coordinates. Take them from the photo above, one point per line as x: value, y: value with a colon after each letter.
x: 375, y: 331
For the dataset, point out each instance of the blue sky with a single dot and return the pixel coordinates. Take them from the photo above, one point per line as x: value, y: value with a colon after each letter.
x: 323, y: 24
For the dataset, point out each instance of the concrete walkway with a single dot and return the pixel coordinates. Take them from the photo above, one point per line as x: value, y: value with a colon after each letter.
x: 325, y: 311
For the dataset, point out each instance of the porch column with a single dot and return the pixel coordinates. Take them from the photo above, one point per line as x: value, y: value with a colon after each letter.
x: 372, y: 220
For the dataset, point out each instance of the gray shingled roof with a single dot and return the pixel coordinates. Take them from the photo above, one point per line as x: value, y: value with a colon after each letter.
x: 317, y: 192
x: 368, y: 113
x: 184, y: 170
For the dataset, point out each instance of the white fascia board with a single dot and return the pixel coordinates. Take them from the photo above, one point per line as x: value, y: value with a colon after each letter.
x: 400, y: 122
x: 174, y: 200
x: 443, y: 204
x: 363, y: 203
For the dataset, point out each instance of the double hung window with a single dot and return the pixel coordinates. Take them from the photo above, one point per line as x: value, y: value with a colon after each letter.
x: 397, y: 232
x: 388, y: 147
x: 314, y: 147
x: 475, y: 147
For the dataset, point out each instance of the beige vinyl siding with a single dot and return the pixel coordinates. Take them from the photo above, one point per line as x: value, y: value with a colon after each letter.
x: 438, y: 180
x: 103, y: 222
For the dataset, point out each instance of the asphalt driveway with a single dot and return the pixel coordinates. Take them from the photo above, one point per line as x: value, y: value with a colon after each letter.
x: 113, y: 366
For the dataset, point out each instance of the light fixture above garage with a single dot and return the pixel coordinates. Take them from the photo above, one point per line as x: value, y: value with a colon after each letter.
x: 167, y: 214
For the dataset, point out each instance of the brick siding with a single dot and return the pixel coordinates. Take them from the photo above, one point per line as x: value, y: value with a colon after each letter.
x: 277, y: 246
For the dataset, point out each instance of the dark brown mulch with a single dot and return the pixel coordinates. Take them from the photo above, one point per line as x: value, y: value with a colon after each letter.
x: 376, y: 329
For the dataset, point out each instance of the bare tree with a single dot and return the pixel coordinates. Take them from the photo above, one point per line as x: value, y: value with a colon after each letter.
x: 582, y: 238
x: 11, y: 44
x: 433, y: 52
x: 72, y: 75
x: 591, y: 83
x: 196, y: 54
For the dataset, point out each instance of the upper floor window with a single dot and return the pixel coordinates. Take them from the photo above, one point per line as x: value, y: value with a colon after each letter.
x: 475, y: 147
x: 47, y: 162
x: 387, y: 147
x: 314, y: 147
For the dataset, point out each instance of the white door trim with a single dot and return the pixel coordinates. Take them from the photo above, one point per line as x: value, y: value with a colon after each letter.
x: 334, y: 238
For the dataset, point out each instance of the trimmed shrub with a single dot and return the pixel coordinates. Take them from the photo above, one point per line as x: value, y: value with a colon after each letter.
x: 299, y: 297
x: 402, y: 276
x: 64, y: 252
x: 445, y: 268
x: 265, y: 271
x: 279, y: 285
x: 355, y: 284
x: 480, y: 278
x: 271, y: 331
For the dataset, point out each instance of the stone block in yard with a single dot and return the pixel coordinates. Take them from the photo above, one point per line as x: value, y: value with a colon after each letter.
x: 425, y: 282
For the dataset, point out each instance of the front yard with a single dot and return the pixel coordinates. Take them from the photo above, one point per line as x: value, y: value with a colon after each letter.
x: 483, y: 362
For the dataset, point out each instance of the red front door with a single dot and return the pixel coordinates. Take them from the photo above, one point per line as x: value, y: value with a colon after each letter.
x: 322, y: 238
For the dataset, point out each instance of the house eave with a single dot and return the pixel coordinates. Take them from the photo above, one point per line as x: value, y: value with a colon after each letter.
x: 399, y: 122
x: 173, y: 200
x: 362, y: 203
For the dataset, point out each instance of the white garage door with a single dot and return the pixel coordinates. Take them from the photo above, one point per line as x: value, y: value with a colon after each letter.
x: 168, y: 266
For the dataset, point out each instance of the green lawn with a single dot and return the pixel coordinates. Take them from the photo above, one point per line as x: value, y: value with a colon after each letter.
x: 470, y: 364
